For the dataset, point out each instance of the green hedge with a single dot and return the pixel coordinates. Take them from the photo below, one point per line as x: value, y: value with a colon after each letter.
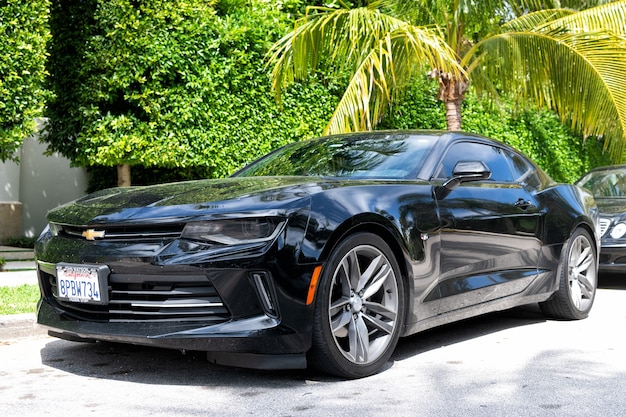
x: 23, y: 36
x: 538, y: 133
x: 173, y: 84
x: 179, y: 90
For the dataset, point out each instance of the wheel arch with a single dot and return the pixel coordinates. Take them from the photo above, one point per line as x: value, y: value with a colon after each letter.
x: 592, y: 232
x: 568, y: 209
x: 386, y: 230
x: 567, y: 303
x: 343, y: 343
x: 584, y: 223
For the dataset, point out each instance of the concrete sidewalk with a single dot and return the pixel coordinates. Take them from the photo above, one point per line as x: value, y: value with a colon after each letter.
x: 18, y: 277
x: 18, y: 326
x: 10, y: 254
x: 20, y: 267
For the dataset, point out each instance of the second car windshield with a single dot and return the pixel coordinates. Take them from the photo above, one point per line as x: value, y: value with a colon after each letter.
x: 348, y: 156
x: 605, y: 183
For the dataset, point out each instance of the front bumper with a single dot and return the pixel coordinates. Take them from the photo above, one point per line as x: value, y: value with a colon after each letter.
x: 244, y: 320
x: 248, y: 303
x: 258, y: 342
x: 612, y: 259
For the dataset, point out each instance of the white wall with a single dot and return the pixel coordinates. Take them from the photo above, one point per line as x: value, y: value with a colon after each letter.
x: 10, y: 206
x: 40, y: 183
x: 46, y: 182
x: 10, y: 180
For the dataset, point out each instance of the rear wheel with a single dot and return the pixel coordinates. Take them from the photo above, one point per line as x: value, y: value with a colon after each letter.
x: 578, y: 279
x: 359, y: 308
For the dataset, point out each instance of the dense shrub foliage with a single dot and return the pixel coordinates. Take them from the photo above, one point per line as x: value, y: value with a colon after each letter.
x: 23, y: 36
x: 179, y: 89
x: 173, y: 84
x: 538, y: 133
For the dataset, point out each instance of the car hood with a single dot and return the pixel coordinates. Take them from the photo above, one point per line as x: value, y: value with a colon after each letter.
x: 184, y: 200
x: 611, y: 206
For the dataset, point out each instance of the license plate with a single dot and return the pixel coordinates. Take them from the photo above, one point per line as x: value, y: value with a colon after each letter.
x: 83, y: 283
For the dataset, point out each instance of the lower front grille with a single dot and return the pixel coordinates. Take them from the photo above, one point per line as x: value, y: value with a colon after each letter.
x: 150, y: 298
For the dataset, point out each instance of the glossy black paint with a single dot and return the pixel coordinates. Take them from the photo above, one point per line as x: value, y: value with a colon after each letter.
x: 608, y: 186
x: 483, y: 245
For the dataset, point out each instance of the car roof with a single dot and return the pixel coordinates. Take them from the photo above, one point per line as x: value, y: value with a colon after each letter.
x: 608, y: 168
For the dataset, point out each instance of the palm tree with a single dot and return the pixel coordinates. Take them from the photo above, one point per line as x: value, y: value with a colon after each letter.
x: 539, y: 52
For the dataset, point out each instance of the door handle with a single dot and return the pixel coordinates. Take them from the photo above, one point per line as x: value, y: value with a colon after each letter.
x: 523, y: 204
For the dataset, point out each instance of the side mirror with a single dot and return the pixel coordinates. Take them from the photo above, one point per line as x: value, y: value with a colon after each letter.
x: 471, y: 171
x: 463, y: 171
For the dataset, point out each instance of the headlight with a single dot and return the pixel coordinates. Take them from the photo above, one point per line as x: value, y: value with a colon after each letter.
x: 618, y: 231
x: 52, y: 228
x: 234, y: 231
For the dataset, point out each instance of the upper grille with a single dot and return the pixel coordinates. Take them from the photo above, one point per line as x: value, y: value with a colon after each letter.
x: 150, y: 298
x: 122, y: 233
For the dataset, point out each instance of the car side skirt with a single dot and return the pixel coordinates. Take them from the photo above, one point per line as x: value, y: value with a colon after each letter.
x: 540, y: 290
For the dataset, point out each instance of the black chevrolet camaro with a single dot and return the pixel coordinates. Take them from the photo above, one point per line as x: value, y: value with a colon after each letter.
x: 322, y: 253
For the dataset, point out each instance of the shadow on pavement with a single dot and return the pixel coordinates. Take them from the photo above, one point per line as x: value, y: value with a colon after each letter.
x: 144, y: 364
x: 158, y: 366
x: 612, y: 281
x: 472, y: 328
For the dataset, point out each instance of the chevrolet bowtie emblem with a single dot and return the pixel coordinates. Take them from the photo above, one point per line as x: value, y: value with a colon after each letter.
x: 91, y: 234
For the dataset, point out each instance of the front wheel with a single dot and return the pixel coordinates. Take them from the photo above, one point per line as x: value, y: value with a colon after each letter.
x: 359, y: 308
x: 578, y: 279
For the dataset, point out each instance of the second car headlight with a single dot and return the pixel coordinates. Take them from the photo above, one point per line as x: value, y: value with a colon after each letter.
x: 234, y: 231
x: 618, y: 231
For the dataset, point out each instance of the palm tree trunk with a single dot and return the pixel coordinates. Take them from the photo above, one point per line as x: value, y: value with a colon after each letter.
x: 123, y: 175
x: 454, y: 118
x: 452, y: 93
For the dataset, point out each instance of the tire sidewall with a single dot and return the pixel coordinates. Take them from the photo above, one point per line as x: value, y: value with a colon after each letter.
x: 564, y: 273
x: 323, y: 340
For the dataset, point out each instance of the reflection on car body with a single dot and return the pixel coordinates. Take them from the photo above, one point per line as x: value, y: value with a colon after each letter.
x: 322, y: 253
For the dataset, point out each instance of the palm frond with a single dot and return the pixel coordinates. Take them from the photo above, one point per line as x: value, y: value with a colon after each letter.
x: 579, y: 75
x: 532, y: 21
x: 327, y: 39
x: 609, y: 16
x: 383, y: 74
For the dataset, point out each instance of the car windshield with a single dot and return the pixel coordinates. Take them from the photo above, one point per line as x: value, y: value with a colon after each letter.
x: 350, y: 156
x: 605, y: 184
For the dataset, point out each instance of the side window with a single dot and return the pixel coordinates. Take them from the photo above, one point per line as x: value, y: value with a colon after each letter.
x: 492, y: 156
x: 523, y: 171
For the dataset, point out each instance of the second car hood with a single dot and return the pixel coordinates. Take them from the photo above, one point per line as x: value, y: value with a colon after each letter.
x: 185, y: 199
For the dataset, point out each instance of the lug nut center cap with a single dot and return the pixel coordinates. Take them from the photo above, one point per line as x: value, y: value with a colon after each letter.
x: 356, y: 303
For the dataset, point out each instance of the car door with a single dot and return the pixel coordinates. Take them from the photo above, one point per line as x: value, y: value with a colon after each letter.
x: 490, y: 236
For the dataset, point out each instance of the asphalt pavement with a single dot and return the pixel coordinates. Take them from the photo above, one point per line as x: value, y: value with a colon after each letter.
x: 515, y: 363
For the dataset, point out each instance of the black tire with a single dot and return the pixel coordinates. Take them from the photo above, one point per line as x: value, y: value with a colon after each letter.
x: 359, y: 308
x: 578, y: 279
